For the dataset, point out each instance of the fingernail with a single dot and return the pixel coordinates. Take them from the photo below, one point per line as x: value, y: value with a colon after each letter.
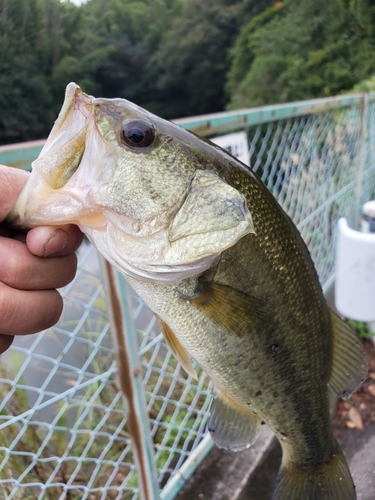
x: 55, y: 243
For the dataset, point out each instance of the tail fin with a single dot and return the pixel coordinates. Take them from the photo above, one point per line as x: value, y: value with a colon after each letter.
x: 331, y: 481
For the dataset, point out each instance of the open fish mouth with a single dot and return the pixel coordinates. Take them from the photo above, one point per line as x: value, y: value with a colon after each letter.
x: 58, y: 161
x: 65, y: 145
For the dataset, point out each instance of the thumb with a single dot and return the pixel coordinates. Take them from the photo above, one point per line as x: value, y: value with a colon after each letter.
x: 12, y: 181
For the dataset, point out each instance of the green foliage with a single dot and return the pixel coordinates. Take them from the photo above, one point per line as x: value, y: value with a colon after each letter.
x: 169, y: 56
x: 34, y: 449
x: 172, y: 60
x: 177, y: 57
x: 302, y: 49
x: 191, y: 63
x: 367, y: 85
x: 361, y: 329
x: 21, y: 71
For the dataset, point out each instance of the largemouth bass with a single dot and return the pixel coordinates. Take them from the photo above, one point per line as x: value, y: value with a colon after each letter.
x: 208, y: 248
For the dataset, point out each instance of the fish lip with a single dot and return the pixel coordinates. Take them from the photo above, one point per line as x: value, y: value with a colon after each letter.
x: 75, y: 99
x: 78, y: 104
x: 14, y: 218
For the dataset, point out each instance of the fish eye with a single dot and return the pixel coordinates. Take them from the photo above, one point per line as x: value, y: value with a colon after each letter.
x: 138, y: 134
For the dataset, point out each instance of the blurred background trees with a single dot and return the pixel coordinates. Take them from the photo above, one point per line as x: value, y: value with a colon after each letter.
x: 302, y: 49
x: 178, y: 57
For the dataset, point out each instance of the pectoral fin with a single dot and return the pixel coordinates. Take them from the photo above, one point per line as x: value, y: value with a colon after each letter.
x: 232, y: 309
x: 349, y: 365
x: 178, y: 350
x: 232, y: 427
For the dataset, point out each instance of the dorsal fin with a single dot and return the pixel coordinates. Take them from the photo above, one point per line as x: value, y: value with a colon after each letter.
x: 178, y: 350
x: 349, y: 364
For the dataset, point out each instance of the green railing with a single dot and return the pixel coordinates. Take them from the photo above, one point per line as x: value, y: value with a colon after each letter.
x: 62, y: 417
x: 20, y: 155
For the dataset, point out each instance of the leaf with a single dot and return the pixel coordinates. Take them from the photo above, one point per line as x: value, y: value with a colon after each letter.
x: 355, y: 419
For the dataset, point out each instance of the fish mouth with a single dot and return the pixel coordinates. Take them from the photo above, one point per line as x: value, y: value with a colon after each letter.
x: 46, y: 198
x: 65, y: 144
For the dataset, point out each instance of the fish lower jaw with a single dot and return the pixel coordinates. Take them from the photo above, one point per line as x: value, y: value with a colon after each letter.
x: 161, y: 274
x: 157, y: 272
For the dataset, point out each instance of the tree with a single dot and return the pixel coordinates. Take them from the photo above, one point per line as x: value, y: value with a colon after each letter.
x: 24, y: 97
x: 135, y: 31
x: 302, y: 49
x: 77, y: 45
x: 190, y: 67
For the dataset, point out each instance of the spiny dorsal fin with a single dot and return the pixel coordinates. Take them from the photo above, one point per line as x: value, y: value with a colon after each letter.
x: 349, y: 365
x: 232, y: 427
x: 232, y: 309
x: 178, y: 350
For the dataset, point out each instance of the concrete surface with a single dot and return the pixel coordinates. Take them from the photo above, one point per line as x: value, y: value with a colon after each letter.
x: 250, y: 474
x: 245, y: 475
x: 359, y: 449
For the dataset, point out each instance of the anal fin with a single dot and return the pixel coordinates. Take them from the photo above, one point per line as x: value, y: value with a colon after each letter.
x: 349, y: 364
x: 178, y: 350
x: 232, y: 427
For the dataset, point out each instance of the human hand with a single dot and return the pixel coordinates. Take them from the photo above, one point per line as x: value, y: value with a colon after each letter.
x: 32, y: 266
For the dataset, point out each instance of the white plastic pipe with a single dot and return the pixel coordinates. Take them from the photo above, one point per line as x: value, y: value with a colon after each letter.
x: 355, y: 273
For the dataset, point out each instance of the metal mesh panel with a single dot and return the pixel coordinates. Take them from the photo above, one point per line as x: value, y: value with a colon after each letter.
x: 63, y: 427
x: 62, y: 420
x: 309, y: 163
x: 367, y: 190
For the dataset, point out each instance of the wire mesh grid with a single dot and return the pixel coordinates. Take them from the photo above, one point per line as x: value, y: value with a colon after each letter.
x: 367, y: 180
x: 63, y: 432
x: 310, y: 164
x: 63, y: 427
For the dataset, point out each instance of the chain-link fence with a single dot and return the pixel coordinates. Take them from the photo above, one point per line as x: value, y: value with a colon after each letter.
x: 63, y: 427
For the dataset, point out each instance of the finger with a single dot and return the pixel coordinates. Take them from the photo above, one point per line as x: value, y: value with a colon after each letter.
x: 5, y: 342
x: 22, y: 270
x: 23, y: 312
x: 57, y: 241
x: 12, y: 181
